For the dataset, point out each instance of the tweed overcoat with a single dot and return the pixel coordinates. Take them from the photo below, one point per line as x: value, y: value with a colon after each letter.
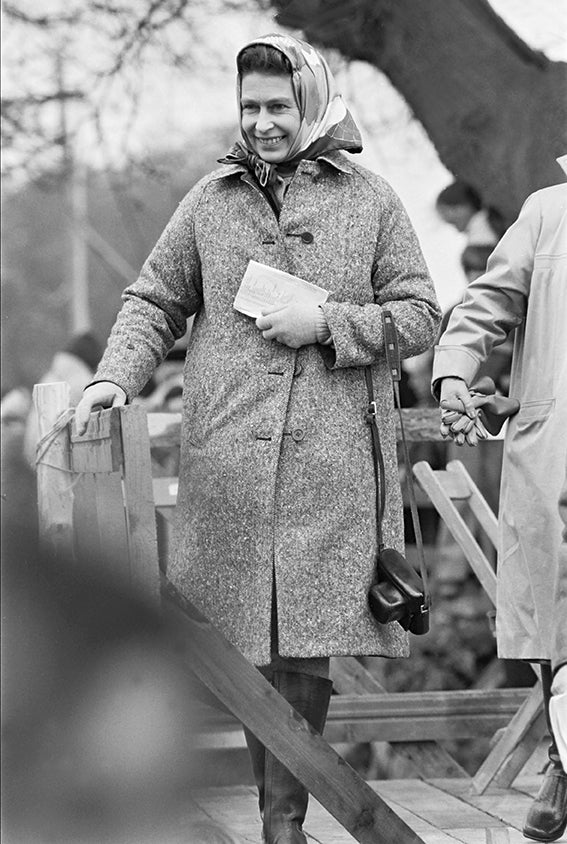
x: 276, y: 477
x: 525, y: 287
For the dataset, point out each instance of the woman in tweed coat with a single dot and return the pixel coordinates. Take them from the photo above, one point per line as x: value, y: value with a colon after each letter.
x: 276, y: 524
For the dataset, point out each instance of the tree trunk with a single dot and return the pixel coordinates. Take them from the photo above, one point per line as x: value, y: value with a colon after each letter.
x: 495, y: 109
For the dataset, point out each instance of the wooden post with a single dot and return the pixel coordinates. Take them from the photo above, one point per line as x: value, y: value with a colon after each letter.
x: 139, y: 501
x: 515, y: 745
x: 55, y: 496
x: 434, y: 484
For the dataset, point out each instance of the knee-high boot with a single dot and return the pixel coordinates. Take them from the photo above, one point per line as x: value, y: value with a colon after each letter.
x: 547, y: 817
x: 285, y: 799
x: 257, y: 753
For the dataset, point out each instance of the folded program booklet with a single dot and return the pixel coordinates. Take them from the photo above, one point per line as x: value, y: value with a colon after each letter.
x: 265, y: 288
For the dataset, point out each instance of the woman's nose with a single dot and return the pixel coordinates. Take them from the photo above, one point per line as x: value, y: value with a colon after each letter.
x: 264, y: 121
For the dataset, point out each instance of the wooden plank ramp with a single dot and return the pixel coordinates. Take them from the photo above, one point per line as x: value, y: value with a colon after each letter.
x: 440, y: 811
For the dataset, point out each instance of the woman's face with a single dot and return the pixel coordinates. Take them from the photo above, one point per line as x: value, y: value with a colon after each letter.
x: 269, y: 114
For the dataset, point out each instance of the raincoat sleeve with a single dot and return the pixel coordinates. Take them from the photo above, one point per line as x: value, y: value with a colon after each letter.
x: 401, y: 283
x: 493, y: 304
x: 156, y: 307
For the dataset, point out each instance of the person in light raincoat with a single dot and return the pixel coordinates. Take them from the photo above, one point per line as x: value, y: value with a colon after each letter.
x: 558, y: 702
x: 524, y: 288
x: 276, y: 527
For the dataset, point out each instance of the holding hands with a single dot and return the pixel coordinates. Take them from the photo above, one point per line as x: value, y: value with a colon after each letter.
x: 460, y: 419
x: 294, y: 325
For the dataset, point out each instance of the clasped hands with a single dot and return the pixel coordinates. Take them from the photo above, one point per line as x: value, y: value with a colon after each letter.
x: 293, y: 325
x: 460, y: 418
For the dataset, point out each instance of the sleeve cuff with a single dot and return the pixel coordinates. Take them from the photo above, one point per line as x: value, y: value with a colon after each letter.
x: 322, y: 328
x: 109, y: 381
x: 454, y: 362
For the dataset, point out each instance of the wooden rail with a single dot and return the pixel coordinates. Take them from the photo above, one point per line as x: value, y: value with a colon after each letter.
x: 407, y: 716
x: 420, y: 425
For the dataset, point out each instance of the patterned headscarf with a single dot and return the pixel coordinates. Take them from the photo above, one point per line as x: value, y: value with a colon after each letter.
x: 326, y: 122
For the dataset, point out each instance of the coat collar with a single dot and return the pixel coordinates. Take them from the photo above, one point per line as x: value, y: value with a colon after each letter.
x: 334, y: 158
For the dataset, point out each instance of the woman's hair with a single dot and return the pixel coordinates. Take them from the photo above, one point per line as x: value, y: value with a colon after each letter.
x: 459, y: 193
x: 262, y: 58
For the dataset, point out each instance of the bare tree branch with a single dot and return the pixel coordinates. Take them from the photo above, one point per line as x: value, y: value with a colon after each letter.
x: 44, y: 21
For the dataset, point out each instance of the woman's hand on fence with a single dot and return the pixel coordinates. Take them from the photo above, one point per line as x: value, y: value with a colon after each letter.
x: 101, y: 394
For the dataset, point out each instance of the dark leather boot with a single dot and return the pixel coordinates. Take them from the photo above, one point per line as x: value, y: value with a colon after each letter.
x: 547, y: 817
x: 285, y: 799
x: 257, y: 753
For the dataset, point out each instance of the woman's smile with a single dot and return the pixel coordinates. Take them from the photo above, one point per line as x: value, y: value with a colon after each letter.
x: 270, y: 141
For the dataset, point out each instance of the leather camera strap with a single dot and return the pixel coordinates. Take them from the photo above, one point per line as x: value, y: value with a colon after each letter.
x: 394, y: 365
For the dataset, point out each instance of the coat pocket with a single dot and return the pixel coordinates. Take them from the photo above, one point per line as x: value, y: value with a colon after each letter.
x: 533, y: 411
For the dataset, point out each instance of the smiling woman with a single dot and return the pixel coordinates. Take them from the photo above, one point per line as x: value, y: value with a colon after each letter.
x: 276, y: 522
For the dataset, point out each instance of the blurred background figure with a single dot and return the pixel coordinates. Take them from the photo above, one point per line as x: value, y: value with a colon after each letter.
x: 460, y: 205
x: 17, y: 480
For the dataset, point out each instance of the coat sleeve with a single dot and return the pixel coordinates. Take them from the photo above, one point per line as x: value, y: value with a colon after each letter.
x: 401, y: 283
x: 493, y: 304
x: 156, y: 307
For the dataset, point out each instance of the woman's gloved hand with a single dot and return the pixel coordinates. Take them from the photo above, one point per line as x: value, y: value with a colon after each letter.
x: 101, y: 394
x: 294, y: 325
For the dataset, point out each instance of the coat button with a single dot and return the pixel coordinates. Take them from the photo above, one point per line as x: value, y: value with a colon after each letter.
x: 306, y: 237
x: 298, y: 369
x: 298, y: 434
